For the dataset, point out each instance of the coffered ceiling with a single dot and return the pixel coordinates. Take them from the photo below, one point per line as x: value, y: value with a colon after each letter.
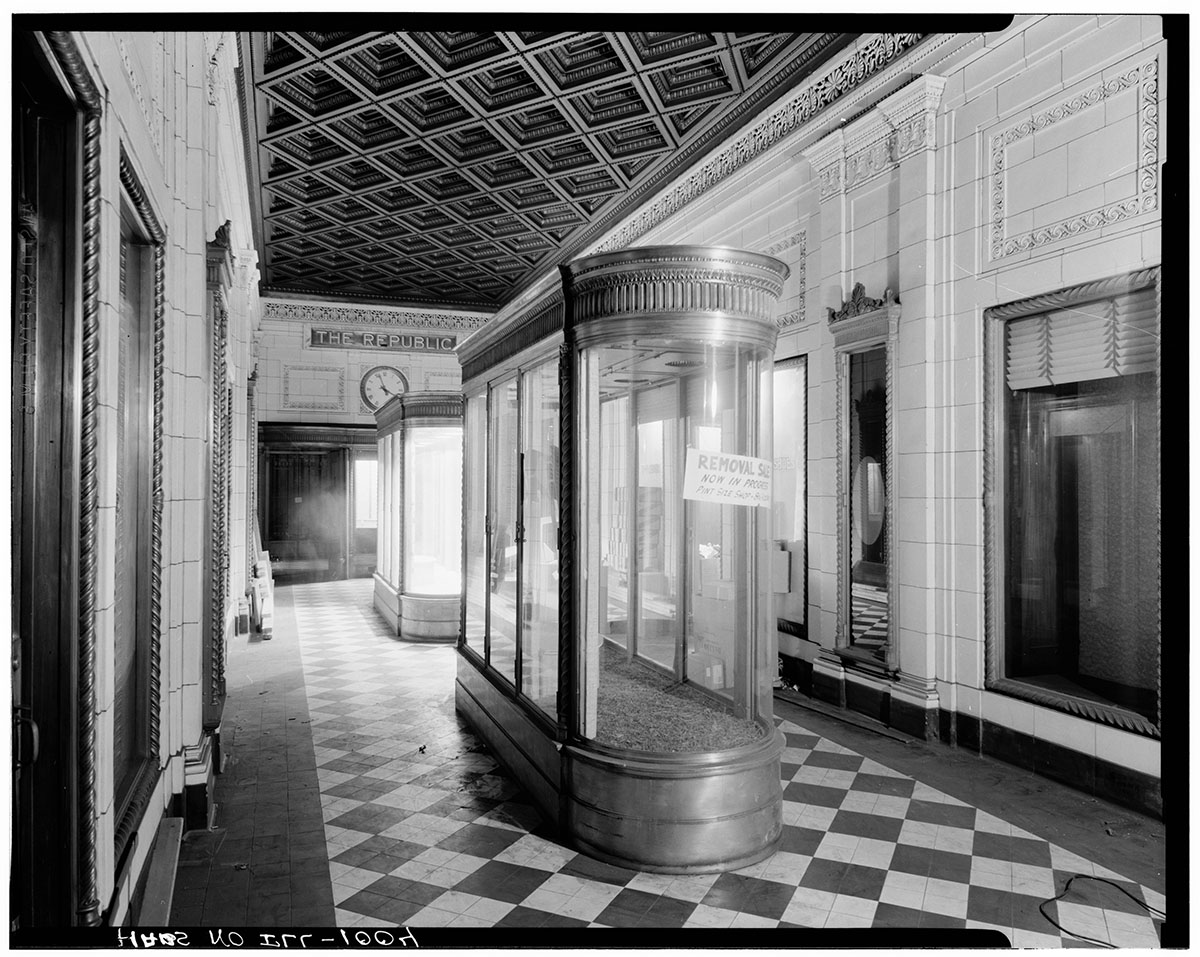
x: 454, y: 168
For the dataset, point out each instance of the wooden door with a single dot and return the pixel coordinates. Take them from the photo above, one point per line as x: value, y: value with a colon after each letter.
x: 45, y: 491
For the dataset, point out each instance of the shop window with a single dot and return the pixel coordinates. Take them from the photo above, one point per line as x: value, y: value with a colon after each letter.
x: 475, y: 522
x: 366, y: 492
x: 502, y: 600
x: 539, y: 538
x: 789, y: 500
x: 1077, y: 528
x: 432, y: 510
x: 130, y: 566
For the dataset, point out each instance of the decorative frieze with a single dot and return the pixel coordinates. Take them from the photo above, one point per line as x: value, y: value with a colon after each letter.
x: 1143, y: 79
x: 318, y: 312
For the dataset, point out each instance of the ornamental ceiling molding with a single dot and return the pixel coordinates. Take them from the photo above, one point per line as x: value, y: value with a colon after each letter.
x: 367, y: 315
x: 900, y: 126
x: 1144, y: 79
x: 813, y: 97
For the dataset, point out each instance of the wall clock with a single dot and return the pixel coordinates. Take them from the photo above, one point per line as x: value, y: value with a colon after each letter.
x: 380, y: 384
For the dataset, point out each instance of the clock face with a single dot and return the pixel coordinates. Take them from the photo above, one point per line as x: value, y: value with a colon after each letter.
x: 379, y: 385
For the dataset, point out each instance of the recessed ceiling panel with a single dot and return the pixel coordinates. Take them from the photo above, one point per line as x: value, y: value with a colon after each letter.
x: 451, y: 168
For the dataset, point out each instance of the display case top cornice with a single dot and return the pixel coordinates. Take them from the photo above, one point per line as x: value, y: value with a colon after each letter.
x: 456, y: 169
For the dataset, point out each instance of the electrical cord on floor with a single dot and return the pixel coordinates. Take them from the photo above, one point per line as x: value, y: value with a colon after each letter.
x: 1154, y: 911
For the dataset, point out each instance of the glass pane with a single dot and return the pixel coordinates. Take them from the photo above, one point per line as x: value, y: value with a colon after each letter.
x: 366, y: 493
x: 1081, y: 540
x: 712, y: 620
x: 475, y: 521
x: 868, y: 499
x: 659, y: 524
x: 539, y: 572
x: 432, y: 511
x: 503, y: 622
x: 789, y: 478
x: 614, y: 520
x: 676, y: 675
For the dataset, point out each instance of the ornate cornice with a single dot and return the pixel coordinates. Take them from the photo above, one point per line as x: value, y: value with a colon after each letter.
x: 359, y: 315
x: 543, y: 319
x: 1144, y: 79
x: 402, y: 410
x: 689, y: 286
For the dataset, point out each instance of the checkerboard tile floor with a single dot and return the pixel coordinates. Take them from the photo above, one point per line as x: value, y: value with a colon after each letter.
x: 424, y: 828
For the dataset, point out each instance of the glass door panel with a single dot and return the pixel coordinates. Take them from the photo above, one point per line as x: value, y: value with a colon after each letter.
x: 503, y: 604
x: 539, y: 561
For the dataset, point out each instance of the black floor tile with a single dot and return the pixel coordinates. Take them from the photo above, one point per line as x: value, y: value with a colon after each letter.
x: 668, y: 912
x: 503, y: 881
x: 951, y: 815
x: 893, y: 915
x: 834, y: 760
x: 861, y: 881
x: 883, y: 784
x: 866, y: 825
x: 479, y: 840
x: 800, y: 840
x: 817, y: 794
x: 589, y: 867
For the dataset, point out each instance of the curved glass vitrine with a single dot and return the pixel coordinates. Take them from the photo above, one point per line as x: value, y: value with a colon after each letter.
x: 418, y: 578
x: 619, y: 646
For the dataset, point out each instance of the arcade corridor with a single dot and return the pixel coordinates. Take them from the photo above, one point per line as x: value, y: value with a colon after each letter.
x: 352, y: 795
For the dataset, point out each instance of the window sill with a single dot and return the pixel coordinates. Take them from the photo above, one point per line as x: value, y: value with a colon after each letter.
x: 1080, y: 707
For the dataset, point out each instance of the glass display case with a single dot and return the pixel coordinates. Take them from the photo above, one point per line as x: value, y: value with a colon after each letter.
x: 418, y: 578
x: 618, y: 645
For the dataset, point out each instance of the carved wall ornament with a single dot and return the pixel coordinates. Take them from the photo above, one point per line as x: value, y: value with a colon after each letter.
x: 132, y: 71
x: 797, y: 262
x: 860, y: 303
x: 331, y: 404
x: 1145, y: 80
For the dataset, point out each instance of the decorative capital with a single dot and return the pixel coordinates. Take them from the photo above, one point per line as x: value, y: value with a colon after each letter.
x: 899, y: 126
x: 828, y: 160
x: 860, y: 304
